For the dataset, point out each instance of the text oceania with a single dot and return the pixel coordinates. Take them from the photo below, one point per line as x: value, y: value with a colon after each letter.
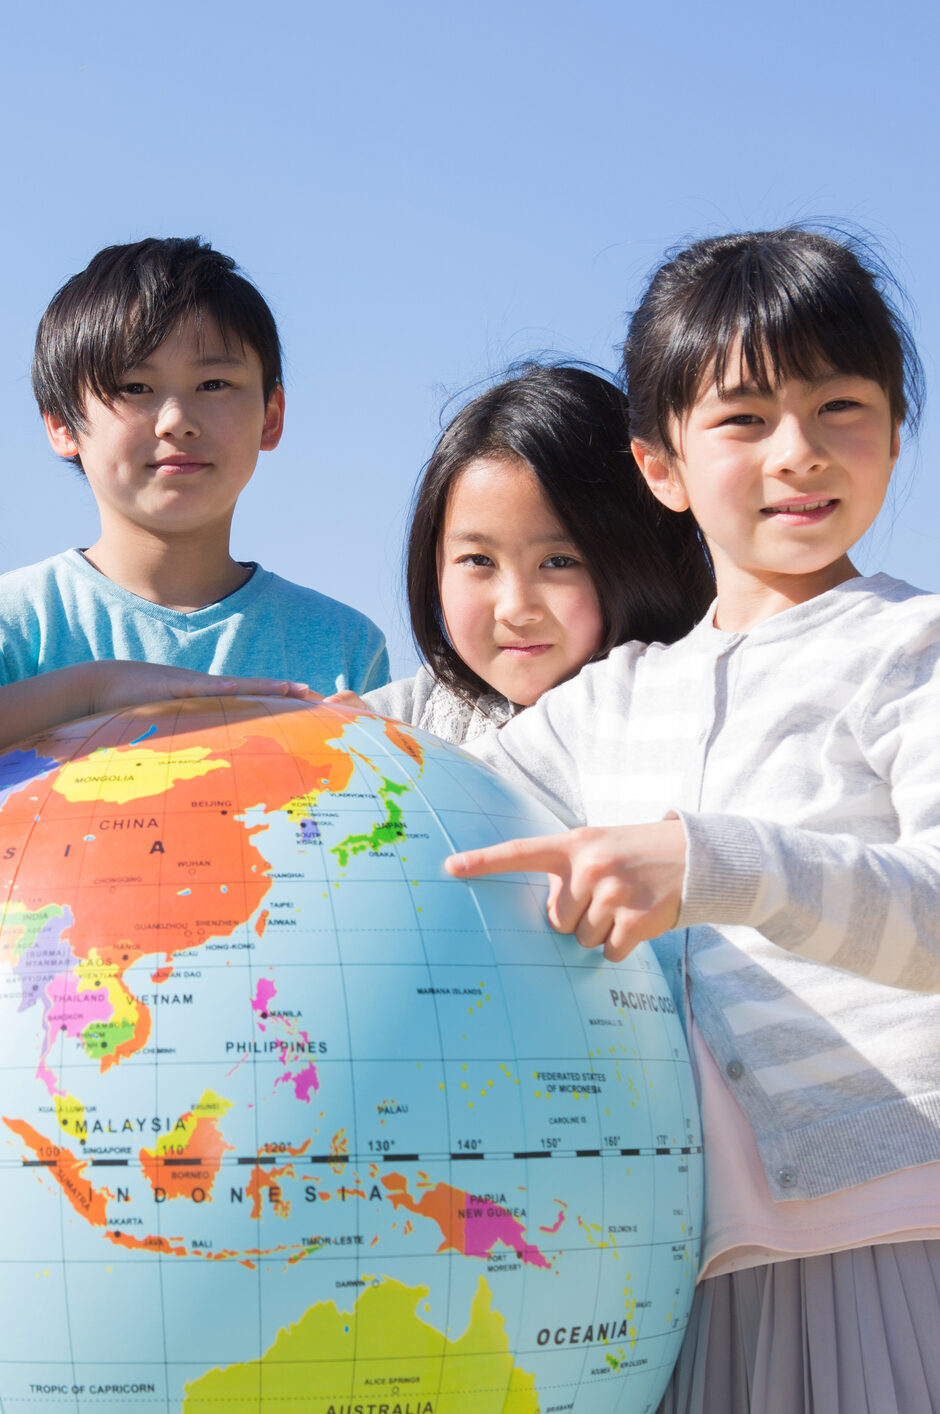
x: 583, y: 1335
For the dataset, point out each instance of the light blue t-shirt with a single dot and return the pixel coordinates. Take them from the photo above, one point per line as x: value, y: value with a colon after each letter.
x: 63, y: 611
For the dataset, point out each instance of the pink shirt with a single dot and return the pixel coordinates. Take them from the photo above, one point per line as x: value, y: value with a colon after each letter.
x: 744, y: 1227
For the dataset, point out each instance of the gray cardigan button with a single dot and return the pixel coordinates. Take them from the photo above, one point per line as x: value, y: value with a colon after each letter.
x: 734, y: 1069
x: 787, y: 1177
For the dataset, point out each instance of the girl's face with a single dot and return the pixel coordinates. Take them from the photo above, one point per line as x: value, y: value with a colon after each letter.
x: 519, y: 604
x: 782, y: 484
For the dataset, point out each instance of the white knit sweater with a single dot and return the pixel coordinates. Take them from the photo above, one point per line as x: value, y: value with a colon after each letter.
x: 426, y: 702
x: 803, y: 758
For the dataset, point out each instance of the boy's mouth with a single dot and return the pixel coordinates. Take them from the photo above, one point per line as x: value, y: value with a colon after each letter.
x: 178, y: 466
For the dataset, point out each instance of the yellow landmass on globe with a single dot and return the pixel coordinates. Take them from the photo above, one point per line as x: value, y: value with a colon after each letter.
x: 122, y: 774
x: 383, y: 1355
x: 71, y: 1116
x: 178, y: 1140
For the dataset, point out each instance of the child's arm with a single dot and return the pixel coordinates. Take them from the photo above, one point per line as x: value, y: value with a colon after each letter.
x: 36, y: 704
x: 868, y: 906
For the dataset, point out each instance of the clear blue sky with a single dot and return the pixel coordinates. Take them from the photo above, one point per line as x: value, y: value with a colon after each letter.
x: 427, y: 191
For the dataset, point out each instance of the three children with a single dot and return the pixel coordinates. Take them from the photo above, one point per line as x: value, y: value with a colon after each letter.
x: 758, y: 794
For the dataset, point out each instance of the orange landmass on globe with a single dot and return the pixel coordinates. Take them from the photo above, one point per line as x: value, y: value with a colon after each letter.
x: 162, y: 1245
x: 406, y: 743
x: 295, y: 1151
x: 186, y: 1161
x: 267, y: 1178
x: 163, y: 870
x: 145, y: 845
x: 471, y: 1224
x: 339, y: 1150
x: 90, y: 1203
x: 170, y: 877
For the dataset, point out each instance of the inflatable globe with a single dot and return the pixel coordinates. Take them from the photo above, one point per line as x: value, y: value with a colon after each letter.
x: 294, y: 1122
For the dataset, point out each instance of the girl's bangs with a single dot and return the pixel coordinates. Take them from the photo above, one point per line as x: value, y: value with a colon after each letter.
x: 764, y: 307
x: 771, y: 325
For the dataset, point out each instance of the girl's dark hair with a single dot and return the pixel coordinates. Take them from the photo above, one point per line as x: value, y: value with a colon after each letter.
x: 783, y: 304
x: 116, y: 312
x: 569, y: 425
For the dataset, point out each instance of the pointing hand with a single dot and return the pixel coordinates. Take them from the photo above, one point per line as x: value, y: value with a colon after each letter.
x: 612, y: 886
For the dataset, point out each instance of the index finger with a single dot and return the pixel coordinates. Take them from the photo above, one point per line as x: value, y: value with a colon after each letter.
x: 545, y: 854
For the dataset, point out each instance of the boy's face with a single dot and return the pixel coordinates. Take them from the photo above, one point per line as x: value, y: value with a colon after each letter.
x: 179, y: 444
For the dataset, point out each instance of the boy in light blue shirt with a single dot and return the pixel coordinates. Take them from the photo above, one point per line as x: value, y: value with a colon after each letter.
x: 158, y: 373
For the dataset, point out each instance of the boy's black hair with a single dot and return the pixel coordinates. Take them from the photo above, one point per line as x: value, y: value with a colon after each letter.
x: 791, y: 302
x: 117, y: 311
x: 569, y: 426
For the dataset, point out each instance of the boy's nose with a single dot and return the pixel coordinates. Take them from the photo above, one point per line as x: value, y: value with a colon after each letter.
x: 174, y: 419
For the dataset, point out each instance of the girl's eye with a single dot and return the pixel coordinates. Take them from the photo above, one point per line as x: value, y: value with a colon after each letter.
x: 741, y: 419
x: 839, y: 404
x: 477, y: 561
x: 559, y: 562
x: 134, y: 389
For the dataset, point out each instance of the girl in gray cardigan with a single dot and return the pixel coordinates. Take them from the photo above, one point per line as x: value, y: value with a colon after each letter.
x: 763, y: 798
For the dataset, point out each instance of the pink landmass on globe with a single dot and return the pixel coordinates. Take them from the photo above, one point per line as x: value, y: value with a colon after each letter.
x: 265, y: 992
x: 303, y: 1082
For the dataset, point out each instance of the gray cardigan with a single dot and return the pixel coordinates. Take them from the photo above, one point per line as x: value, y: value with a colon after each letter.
x: 803, y: 758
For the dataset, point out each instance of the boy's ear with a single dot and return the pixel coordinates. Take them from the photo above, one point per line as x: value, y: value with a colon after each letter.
x: 273, y: 424
x: 660, y: 475
x: 59, y: 436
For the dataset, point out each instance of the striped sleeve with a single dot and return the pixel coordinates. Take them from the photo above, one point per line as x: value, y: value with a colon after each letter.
x: 871, y: 908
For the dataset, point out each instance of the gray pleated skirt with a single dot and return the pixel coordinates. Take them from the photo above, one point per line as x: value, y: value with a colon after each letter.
x: 854, y: 1332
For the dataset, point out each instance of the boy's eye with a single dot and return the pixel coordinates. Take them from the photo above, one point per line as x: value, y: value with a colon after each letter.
x: 212, y: 385
x: 741, y: 419
x: 559, y: 562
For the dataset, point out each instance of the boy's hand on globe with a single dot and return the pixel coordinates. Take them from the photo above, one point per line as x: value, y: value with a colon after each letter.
x: 613, y: 887
x: 126, y: 684
x: 40, y: 703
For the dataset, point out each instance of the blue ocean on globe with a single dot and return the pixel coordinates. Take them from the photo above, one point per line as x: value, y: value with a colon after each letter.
x: 292, y: 1121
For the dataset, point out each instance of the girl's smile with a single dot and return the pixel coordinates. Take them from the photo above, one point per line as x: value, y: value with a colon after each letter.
x: 796, y: 512
x: 519, y: 602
